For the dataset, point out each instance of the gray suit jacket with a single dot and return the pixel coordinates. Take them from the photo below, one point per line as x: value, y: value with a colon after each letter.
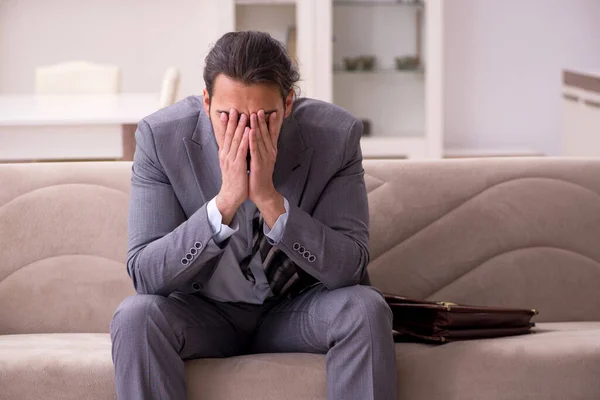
x: 176, y: 173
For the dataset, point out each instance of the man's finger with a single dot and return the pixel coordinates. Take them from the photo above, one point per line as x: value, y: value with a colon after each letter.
x: 243, y: 149
x: 273, y: 131
x: 220, y: 135
x: 254, y: 150
x: 231, y: 125
x: 237, y: 138
x: 253, y: 138
x: 262, y: 123
x: 260, y: 137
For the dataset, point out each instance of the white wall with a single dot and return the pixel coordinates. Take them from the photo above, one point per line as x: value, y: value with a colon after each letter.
x: 142, y: 37
x: 503, y: 62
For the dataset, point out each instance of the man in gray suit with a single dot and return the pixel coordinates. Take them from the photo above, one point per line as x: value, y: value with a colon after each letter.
x: 248, y: 233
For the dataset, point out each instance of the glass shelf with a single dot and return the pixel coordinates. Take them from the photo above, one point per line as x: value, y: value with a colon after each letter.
x: 379, y: 71
x: 265, y: 2
x: 363, y: 3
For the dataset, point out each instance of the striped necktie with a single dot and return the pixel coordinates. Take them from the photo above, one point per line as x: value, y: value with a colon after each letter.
x: 281, y: 272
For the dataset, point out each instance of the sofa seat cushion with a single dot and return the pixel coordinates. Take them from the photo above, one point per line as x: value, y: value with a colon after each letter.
x: 561, y: 361
x: 56, y: 366
x: 75, y: 366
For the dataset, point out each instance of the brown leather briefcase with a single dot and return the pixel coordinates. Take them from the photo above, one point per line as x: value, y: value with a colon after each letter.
x: 442, y: 322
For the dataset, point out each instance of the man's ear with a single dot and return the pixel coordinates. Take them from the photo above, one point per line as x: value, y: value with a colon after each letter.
x: 289, y: 101
x: 206, y: 101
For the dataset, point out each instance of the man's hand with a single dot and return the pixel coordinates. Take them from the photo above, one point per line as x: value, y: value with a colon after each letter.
x: 263, y: 153
x: 233, y: 141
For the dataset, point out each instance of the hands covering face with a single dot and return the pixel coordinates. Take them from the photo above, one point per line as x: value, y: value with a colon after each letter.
x: 238, y: 136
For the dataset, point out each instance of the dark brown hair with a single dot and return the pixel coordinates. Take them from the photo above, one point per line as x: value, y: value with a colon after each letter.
x: 251, y: 57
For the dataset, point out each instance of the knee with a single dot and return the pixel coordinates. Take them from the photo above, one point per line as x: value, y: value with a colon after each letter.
x: 366, y: 306
x: 134, y: 313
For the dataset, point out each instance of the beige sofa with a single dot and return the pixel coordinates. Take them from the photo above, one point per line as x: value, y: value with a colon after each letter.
x: 506, y: 232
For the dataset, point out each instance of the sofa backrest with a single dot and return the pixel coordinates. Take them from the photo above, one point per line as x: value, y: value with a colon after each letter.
x: 502, y: 232
x: 513, y: 232
x: 63, y: 244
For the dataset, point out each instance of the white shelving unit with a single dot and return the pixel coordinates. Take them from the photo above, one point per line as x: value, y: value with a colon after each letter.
x: 393, y: 101
x: 265, y: 2
x: 416, y: 95
x: 274, y: 18
x: 581, y: 113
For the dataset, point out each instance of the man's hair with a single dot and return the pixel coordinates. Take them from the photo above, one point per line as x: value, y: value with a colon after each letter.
x: 251, y: 57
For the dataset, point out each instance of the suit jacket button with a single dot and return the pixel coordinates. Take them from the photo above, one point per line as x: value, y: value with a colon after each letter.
x: 196, y: 286
x: 296, y: 246
x: 312, y: 258
x: 198, y: 245
x: 193, y: 251
x: 189, y: 256
x: 185, y: 261
x: 301, y: 250
x: 306, y: 254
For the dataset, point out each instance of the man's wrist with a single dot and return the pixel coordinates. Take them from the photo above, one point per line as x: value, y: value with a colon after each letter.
x: 271, y: 208
x: 226, y: 209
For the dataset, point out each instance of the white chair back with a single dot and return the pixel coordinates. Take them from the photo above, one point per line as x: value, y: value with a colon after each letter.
x: 170, y: 86
x: 78, y: 78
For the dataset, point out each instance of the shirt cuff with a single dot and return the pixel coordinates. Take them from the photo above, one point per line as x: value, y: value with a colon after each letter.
x: 215, y: 219
x: 274, y: 235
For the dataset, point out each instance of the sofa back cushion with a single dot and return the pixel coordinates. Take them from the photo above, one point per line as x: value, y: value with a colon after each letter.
x: 499, y: 232
x: 63, y: 243
x: 504, y: 232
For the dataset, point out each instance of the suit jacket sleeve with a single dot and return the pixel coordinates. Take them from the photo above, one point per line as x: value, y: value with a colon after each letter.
x: 160, y: 236
x: 337, y: 232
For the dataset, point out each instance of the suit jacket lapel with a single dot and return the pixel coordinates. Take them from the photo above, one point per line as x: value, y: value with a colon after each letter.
x: 293, y: 162
x: 203, y: 154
